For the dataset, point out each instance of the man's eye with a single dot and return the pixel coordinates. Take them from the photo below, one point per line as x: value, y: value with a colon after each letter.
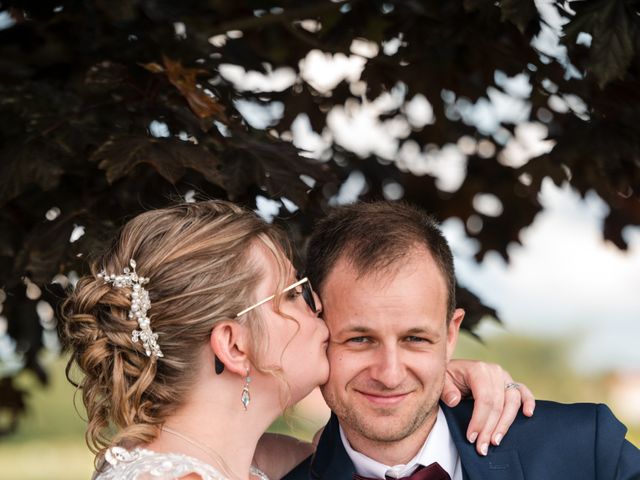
x: 358, y: 340
x: 414, y: 339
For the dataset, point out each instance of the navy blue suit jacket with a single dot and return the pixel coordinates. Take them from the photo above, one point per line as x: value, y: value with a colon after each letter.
x: 560, y: 442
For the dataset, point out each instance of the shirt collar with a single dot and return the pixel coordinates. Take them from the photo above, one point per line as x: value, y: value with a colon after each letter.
x: 438, y: 447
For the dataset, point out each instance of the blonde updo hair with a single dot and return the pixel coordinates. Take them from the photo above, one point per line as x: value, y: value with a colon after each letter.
x: 197, y: 258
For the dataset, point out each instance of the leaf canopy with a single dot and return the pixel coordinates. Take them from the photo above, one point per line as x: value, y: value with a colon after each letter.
x: 110, y: 108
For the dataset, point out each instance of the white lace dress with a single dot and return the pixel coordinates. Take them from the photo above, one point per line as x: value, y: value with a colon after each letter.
x: 141, y: 464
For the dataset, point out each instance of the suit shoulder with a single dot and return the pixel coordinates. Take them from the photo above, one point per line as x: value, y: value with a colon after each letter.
x: 580, y: 440
x: 300, y: 472
x: 597, y: 415
x: 545, y: 408
x: 567, y: 410
x: 586, y: 419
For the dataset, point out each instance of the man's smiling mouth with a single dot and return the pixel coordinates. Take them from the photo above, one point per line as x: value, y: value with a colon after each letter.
x: 384, y: 399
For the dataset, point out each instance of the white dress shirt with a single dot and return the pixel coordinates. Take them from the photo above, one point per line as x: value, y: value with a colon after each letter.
x: 438, y: 447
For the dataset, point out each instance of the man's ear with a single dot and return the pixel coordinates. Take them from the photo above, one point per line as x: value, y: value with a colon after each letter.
x: 229, y: 342
x: 452, y: 331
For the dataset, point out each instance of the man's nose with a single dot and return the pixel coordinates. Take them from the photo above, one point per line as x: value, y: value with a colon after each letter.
x: 388, y: 367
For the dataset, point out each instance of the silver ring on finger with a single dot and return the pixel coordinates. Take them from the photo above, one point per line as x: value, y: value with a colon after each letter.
x: 510, y: 385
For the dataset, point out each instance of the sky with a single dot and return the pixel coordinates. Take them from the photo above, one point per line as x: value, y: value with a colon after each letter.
x: 563, y: 282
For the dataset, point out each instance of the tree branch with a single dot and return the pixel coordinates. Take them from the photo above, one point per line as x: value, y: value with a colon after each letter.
x: 249, y: 23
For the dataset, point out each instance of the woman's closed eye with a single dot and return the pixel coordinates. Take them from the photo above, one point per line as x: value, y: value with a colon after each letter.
x: 294, y: 293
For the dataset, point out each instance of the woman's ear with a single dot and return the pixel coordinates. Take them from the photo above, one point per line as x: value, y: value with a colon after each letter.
x: 229, y: 343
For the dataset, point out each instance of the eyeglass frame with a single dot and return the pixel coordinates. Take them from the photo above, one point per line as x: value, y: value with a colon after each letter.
x: 303, y: 281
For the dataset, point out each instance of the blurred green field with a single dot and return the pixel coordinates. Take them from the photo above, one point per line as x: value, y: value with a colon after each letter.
x: 50, y: 441
x: 544, y: 367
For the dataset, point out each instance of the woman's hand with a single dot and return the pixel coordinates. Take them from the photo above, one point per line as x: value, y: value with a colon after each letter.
x: 497, y: 399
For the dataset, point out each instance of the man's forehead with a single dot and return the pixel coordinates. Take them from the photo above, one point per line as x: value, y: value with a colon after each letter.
x: 351, y: 274
x: 411, y: 293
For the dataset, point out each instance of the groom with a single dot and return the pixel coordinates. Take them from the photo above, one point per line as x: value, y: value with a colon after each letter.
x: 385, y: 275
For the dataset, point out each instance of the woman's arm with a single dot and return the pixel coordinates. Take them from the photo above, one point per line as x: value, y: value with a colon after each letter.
x: 277, y: 454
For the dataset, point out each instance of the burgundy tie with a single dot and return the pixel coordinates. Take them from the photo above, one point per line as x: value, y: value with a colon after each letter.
x: 432, y: 472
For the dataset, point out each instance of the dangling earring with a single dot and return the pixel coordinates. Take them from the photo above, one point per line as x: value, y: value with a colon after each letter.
x: 246, y: 398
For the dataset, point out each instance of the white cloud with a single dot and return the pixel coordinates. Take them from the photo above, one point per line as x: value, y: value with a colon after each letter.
x: 6, y: 20
x: 517, y: 86
x: 274, y: 81
x: 419, y: 111
x: 448, y: 165
x: 306, y: 139
x: 487, y: 204
x: 260, y: 115
x: 529, y: 142
x: 267, y: 208
x: 357, y: 128
x: 77, y: 232
x: 364, y: 48
x: 324, y: 71
x: 350, y: 190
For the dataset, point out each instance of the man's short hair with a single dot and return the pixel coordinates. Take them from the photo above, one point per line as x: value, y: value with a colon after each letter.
x: 374, y: 237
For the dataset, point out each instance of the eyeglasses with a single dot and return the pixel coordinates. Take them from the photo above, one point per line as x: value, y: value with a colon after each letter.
x: 307, y: 295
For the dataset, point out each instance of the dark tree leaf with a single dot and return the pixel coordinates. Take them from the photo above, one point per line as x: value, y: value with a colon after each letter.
x: 106, y: 75
x: 169, y: 157
x: 34, y: 164
x: 474, y: 309
x: 612, y: 48
x: 614, y: 223
x: 471, y: 5
x: 613, y: 29
x: 267, y: 164
x: 519, y: 12
x: 184, y: 79
x: 44, y: 249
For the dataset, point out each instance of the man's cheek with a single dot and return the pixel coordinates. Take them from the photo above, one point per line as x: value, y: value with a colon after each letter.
x: 336, y: 355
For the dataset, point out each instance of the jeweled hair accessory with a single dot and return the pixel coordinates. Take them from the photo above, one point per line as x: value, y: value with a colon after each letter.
x: 140, y: 305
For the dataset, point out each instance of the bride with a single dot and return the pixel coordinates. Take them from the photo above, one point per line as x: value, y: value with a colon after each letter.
x: 192, y: 334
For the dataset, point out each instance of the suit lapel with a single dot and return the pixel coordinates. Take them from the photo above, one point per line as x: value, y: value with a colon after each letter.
x: 331, y: 462
x: 499, y: 464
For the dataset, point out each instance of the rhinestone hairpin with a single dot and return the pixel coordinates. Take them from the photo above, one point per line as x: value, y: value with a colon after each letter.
x: 140, y: 305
